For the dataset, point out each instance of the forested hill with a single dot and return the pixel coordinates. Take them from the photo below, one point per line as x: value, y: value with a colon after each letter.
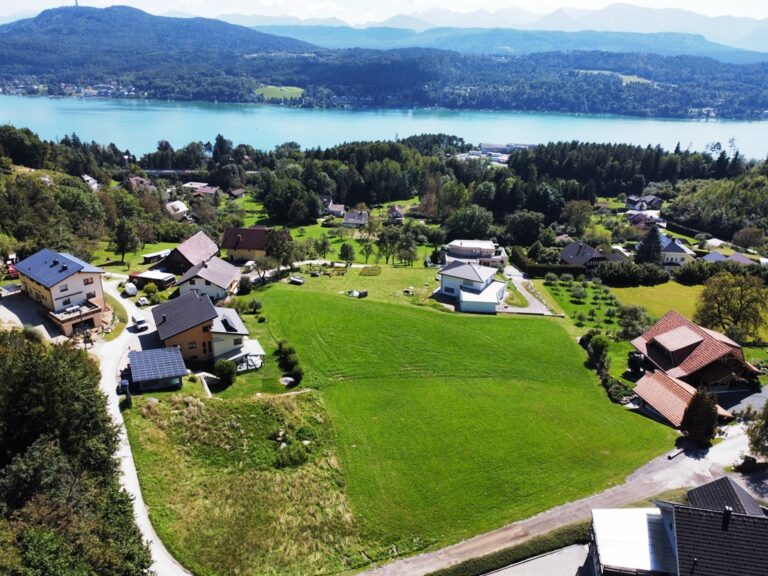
x: 123, y: 38
x: 198, y: 59
x: 511, y: 41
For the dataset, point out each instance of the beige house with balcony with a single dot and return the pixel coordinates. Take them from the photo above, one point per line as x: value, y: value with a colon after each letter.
x: 68, y: 287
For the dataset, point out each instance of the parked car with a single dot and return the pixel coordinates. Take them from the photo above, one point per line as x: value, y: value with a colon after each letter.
x: 249, y: 266
x: 142, y: 301
x: 129, y: 289
x: 140, y: 324
x: 11, y: 272
x: 298, y: 280
x: 122, y: 388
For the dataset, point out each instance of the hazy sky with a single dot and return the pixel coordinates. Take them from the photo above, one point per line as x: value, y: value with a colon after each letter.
x: 364, y: 10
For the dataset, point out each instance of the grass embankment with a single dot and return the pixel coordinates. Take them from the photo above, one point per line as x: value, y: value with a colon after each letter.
x: 110, y: 261
x: 121, y: 318
x: 279, y: 93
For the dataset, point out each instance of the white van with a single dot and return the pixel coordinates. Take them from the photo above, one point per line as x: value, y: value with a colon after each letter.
x: 249, y: 266
x: 129, y: 288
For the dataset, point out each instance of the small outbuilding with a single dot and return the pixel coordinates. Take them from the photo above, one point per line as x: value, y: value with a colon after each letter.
x: 159, y: 369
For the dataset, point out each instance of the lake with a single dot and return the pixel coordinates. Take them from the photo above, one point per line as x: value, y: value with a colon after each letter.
x: 138, y: 125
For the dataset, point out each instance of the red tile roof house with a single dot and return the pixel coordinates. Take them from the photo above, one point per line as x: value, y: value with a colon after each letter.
x: 193, y: 251
x: 696, y: 355
x: 243, y: 244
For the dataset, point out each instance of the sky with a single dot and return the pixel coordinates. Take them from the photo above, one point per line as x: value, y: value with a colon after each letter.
x: 359, y: 11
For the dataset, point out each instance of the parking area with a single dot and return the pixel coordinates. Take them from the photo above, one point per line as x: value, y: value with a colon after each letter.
x: 738, y: 401
x: 17, y: 311
x: 570, y: 561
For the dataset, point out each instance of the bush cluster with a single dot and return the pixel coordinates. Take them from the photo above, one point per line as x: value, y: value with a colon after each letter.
x: 289, y: 362
x: 628, y: 273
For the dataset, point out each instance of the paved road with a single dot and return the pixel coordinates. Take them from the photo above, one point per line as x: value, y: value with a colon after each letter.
x: 111, y: 355
x: 535, y: 306
x: 659, y: 475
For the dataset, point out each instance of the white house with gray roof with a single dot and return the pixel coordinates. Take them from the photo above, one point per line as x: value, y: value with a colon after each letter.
x: 473, y: 286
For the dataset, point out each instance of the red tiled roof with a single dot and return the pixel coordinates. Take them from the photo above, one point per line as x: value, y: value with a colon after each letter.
x: 706, y: 346
x: 245, y: 238
x: 668, y: 396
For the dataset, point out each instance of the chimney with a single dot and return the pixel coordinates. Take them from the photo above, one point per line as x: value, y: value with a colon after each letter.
x: 165, y: 317
x: 727, y: 511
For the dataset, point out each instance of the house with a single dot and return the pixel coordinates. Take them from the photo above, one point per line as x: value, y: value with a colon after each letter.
x: 153, y: 257
x: 162, y: 280
x: 192, y: 186
x: 674, y: 253
x: 643, y: 220
x: 582, y: 255
x: 136, y: 183
x: 243, y: 244
x: 177, y: 210
x: 158, y: 369
x: 205, y: 192
x: 484, y: 252
x: 337, y: 210
x: 355, y: 219
x: 472, y: 286
x: 91, y: 182
x: 644, y: 202
x: 186, y: 322
x: 214, y: 277
x: 193, y: 251
x: 231, y: 342
x: 742, y: 259
x: 396, y: 215
x: 698, y: 356
x: 667, y: 397
x: 236, y: 193
x: 715, y: 256
x: 69, y: 288
x: 722, y: 532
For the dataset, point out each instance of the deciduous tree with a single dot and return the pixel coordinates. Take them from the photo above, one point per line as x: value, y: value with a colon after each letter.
x: 733, y: 303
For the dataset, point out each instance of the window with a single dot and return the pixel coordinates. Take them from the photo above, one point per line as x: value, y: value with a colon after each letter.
x: 66, y: 301
x: 448, y: 290
x: 207, y: 283
x: 467, y: 283
x: 206, y: 328
x: 192, y: 345
x: 238, y: 341
x: 90, y: 295
x: 64, y: 288
x: 88, y: 281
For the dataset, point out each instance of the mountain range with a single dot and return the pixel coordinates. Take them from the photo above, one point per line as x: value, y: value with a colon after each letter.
x: 506, y: 41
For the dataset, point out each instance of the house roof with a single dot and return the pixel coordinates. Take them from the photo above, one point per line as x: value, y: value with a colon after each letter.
x: 724, y: 492
x: 182, y: 313
x: 228, y: 321
x: 578, y: 254
x: 197, y: 248
x: 711, y: 347
x: 176, y: 207
x: 215, y: 270
x: 472, y: 244
x: 48, y: 268
x: 396, y: 212
x: 634, y: 539
x: 674, y: 246
x: 254, y: 238
x: 718, y: 543
x: 668, y: 396
x: 741, y: 259
x: 203, y: 190
x: 714, y: 256
x: 156, y: 364
x: 335, y: 207
x: 356, y: 217
x: 468, y: 271
x: 237, y: 192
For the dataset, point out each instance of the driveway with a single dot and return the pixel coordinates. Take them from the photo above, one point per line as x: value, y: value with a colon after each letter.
x: 738, y: 401
x: 111, y: 356
x: 659, y: 475
x: 535, y: 306
x: 564, y: 562
x: 17, y: 311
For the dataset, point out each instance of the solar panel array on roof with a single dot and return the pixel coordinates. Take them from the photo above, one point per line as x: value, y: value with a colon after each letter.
x: 158, y: 364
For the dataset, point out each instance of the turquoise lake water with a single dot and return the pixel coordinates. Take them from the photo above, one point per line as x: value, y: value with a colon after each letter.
x: 138, y: 125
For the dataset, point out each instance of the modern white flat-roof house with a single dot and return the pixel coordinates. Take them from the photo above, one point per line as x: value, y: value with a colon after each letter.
x: 473, y: 286
x: 483, y: 252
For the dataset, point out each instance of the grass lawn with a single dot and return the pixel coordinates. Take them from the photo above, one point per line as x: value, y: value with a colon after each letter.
x: 122, y: 317
x: 588, y: 313
x: 280, y: 92
x: 109, y: 261
x: 658, y: 300
x: 437, y: 446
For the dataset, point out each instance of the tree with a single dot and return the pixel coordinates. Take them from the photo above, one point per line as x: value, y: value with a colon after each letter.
x: 347, y: 253
x: 484, y: 194
x: 406, y: 249
x: 633, y: 321
x: 577, y: 214
x: 226, y: 372
x: 323, y: 246
x: 734, y: 304
x: 244, y: 286
x: 470, y: 222
x: 758, y: 433
x: 598, y: 351
x: 649, y: 249
x: 578, y: 293
x: 388, y: 239
x: 125, y: 238
x: 367, y: 249
x: 700, y: 418
x: 523, y: 227
x: 262, y: 265
x: 279, y: 246
x: 749, y: 237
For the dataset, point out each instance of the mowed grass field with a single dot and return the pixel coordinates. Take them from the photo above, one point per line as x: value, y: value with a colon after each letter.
x: 449, y: 424
x: 658, y: 300
x: 280, y: 92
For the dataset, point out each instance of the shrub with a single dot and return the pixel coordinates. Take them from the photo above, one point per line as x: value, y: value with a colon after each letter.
x: 370, y: 271
x: 245, y: 285
x: 284, y: 349
x: 598, y: 351
x: 261, y: 320
x: 628, y: 273
x: 566, y: 279
x: 297, y: 373
x: 150, y: 288
x: 550, y: 279
x: 226, y: 372
x: 291, y: 455
x: 254, y: 306
x: 288, y: 362
x: 192, y: 378
x: 617, y: 390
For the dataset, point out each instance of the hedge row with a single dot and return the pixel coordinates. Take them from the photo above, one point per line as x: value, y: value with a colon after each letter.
x: 577, y: 533
x: 685, y: 230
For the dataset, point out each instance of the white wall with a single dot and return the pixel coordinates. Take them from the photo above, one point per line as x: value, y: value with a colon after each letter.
x: 225, y: 343
x: 77, y: 291
x: 215, y: 292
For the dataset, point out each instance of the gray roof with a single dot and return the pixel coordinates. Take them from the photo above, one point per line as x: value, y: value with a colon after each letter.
x: 156, y: 364
x: 182, y: 313
x: 724, y: 492
x: 578, y: 254
x: 714, y: 256
x: 468, y: 271
x: 215, y: 270
x: 197, y: 248
x: 228, y: 321
x: 357, y: 217
x: 49, y: 268
x: 741, y: 259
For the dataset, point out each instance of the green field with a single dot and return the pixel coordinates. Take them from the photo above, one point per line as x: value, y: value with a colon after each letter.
x: 280, y: 92
x: 106, y: 259
x: 658, y: 300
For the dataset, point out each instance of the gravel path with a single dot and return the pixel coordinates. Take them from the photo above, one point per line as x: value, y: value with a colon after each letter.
x: 659, y: 475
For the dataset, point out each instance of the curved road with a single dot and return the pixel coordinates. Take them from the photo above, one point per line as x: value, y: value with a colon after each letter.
x: 111, y: 355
